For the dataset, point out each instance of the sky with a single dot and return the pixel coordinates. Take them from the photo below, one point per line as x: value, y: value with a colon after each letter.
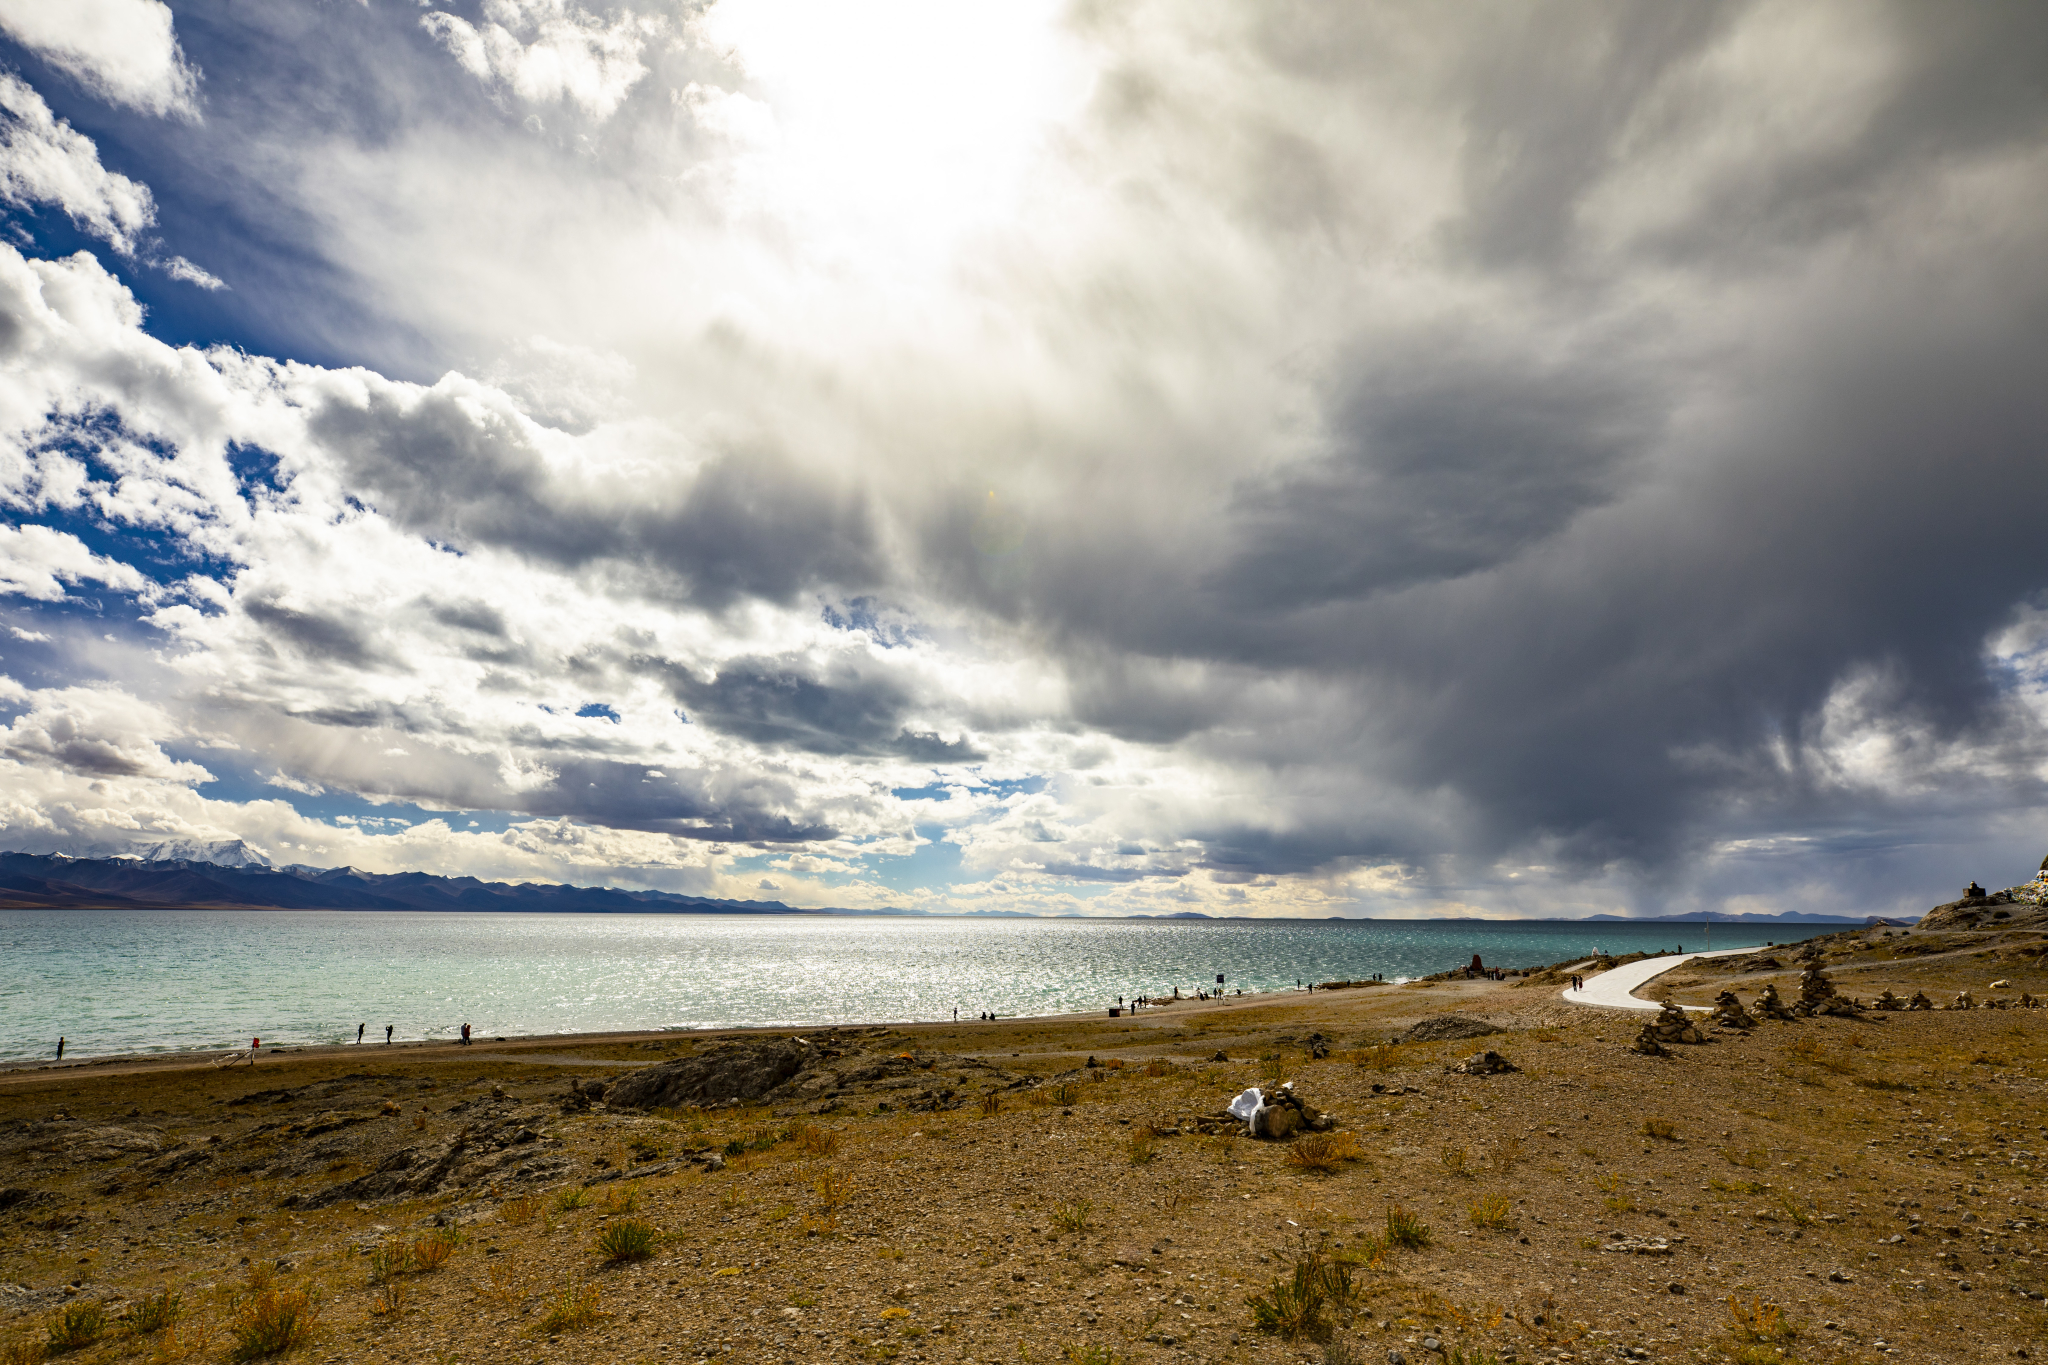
x: 1109, y: 457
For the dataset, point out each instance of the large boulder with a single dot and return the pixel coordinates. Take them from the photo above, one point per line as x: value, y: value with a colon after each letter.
x: 744, y: 1070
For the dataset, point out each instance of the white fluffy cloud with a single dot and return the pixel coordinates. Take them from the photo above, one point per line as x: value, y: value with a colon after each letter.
x: 122, y: 50
x: 43, y: 160
x: 550, y: 51
x: 37, y: 563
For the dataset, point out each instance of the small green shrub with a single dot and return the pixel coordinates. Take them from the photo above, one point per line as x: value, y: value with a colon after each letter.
x: 1073, y: 1217
x: 76, y: 1326
x: 628, y: 1239
x: 574, y: 1197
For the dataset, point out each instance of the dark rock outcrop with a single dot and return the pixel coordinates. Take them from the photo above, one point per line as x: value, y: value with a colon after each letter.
x: 747, y: 1069
x: 1444, y: 1028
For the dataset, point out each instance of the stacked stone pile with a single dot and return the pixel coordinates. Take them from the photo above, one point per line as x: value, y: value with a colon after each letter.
x: 1728, y: 1012
x: 1768, y: 1004
x: 1817, y: 995
x: 1670, y: 1026
x: 1919, y: 1001
x: 1888, y: 1002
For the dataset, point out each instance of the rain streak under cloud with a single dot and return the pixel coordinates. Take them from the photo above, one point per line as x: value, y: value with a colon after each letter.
x: 1307, y: 459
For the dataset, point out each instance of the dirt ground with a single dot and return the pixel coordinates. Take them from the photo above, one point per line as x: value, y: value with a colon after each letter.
x: 1823, y: 1190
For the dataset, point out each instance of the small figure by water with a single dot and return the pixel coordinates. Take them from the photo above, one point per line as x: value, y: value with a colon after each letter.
x: 255, y: 1046
x: 60, y: 1049
x: 387, y: 1034
x: 359, y: 1031
x: 465, y: 1035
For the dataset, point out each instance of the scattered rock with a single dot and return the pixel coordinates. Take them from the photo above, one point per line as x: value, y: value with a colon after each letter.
x: 1963, y: 1001
x: 1444, y: 1028
x: 1624, y: 1245
x: 1483, y: 1064
x: 1221, y: 1056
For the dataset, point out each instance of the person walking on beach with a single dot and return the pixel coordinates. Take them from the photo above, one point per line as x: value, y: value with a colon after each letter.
x: 465, y: 1035
x: 60, y: 1049
x: 359, y: 1031
x: 387, y: 1034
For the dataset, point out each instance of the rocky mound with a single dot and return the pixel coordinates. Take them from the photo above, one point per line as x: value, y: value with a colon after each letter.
x: 1999, y: 910
x: 1443, y: 1028
x: 747, y: 1069
x: 809, y: 1072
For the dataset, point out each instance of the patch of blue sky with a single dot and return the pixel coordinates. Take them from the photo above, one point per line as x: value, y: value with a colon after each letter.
x: 931, y: 865
x: 332, y: 807
x: 886, y: 626
x: 597, y: 710
x: 998, y: 787
x: 157, y: 553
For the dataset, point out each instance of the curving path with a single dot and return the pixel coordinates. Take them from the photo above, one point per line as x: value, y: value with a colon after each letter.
x: 1615, y: 989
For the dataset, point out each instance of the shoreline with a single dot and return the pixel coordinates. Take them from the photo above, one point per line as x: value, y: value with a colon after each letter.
x: 115, y: 1063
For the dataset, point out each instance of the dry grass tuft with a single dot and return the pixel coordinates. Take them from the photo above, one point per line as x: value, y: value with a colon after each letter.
x: 519, y: 1212
x: 1142, y: 1147
x: 1073, y: 1217
x: 1454, y: 1160
x: 1405, y: 1230
x: 154, y: 1312
x: 76, y: 1326
x: 1757, y: 1321
x: 1323, y: 1152
x: 28, y: 1352
x: 812, y: 1140
x: 1494, y: 1212
x: 273, y: 1323
x: 1664, y: 1130
x: 576, y: 1309
x: 991, y: 1105
x: 628, y: 1239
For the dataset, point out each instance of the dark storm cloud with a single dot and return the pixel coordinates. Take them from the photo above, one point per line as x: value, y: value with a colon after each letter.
x: 328, y: 638
x: 746, y: 524
x: 624, y: 796
x: 1446, y: 465
x: 1584, y: 562
x: 836, y: 710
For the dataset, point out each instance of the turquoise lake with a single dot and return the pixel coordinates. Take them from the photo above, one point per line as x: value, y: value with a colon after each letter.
x: 143, y: 981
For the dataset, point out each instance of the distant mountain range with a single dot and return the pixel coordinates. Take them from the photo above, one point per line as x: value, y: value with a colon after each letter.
x: 232, y: 876
x: 56, y: 882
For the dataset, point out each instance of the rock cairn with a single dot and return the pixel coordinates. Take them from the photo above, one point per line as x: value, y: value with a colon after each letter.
x: 1768, y: 1004
x: 1919, y: 1001
x: 1484, y: 1064
x: 1888, y: 1002
x: 1817, y: 995
x: 1963, y: 1001
x: 1670, y: 1026
x: 1728, y: 1012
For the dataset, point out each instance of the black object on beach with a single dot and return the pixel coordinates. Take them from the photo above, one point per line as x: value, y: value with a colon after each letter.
x: 387, y: 1034
x: 60, y: 1049
x: 359, y: 1031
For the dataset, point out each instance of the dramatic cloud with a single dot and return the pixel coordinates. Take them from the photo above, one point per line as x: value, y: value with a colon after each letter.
x: 43, y: 160
x: 1311, y: 460
x: 121, y: 50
